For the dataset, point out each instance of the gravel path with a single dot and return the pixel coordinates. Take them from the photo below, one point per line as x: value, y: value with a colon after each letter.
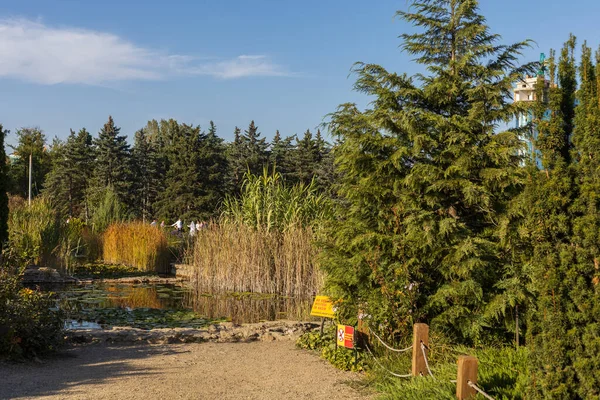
x: 256, y: 370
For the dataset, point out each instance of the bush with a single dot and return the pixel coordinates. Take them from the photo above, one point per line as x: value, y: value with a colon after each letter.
x: 34, y: 233
x: 28, y: 325
x: 137, y: 245
x: 339, y: 357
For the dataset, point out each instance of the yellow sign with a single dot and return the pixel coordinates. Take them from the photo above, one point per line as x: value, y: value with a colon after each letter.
x: 345, y: 336
x: 322, y: 307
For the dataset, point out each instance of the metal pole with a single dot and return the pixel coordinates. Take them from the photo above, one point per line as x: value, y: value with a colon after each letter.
x: 30, y: 163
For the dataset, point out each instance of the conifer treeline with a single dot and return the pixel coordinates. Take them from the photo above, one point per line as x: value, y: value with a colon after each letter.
x: 173, y: 170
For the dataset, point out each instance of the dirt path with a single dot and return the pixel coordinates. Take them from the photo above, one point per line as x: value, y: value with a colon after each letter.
x: 257, y: 370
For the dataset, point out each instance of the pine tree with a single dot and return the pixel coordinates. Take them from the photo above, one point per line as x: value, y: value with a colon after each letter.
x: 306, y: 158
x: 31, y: 141
x: 254, y: 150
x: 213, y: 171
x: 3, y: 190
x: 145, y: 166
x: 236, y: 161
x: 281, y: 155
x: 425, y: 176
x: 112, y: 167
x: 182, y: 196
x: 68, y: 181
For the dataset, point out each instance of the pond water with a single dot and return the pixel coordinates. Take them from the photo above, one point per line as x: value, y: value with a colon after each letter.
x: 146, y: 306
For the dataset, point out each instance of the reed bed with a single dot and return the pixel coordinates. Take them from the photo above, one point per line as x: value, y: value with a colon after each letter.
x: 137, y: 245
x: 233, y: 257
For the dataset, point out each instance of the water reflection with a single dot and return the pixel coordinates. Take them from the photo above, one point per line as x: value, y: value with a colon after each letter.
x: 235, y: 307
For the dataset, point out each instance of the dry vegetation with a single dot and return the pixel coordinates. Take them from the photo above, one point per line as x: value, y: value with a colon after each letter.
x: 237, y: 258
x: 136, y: 244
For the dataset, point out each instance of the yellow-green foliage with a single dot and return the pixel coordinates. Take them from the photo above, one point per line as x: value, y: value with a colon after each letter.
x: 236, y: 257
x: 136, y: 244
x: 266, y: 203
x: 34, y: 232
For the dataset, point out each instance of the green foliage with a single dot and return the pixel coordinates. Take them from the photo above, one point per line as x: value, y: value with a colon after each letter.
x: 112, y: 166
x: 106, y: 209
x: 29, y: 326
x: 3, y: 190
x: 34, y: 233
x: 30, y: 141
x: 502, y: 374
x: 266, y: 203
x: 145, y: 166
x: 69, y: 178
x: 426, y: 176
x: 341, y: 358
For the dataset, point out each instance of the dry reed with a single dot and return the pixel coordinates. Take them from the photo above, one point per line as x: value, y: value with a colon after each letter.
x: 137, y: 245
x: 236, y: 258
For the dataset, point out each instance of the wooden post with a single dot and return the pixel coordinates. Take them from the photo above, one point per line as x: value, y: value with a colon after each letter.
x: 467, y: 371
x: 420, y: 335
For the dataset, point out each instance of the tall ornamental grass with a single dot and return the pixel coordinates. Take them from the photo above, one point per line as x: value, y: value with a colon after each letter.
x: 266, y: 203
x: 34, y: 232
x: 234, y: 257
x: 137, y: 245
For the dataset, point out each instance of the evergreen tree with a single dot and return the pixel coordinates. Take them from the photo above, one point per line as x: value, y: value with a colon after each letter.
x: 145, y: 166
x: 31, y: 141
x: 547, y: 228
x: 281, y: 155
x: 236, y: 161
x: 254, y: 150
x: 3, y: 190
x: 425, y: 177
x: 69, y: 179
x: 112, y: 167
x: 306, y: 159
x: 182, y: 196
x: 214, y: 171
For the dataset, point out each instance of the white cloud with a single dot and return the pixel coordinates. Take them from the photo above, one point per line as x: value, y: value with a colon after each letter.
x: 34, y: 52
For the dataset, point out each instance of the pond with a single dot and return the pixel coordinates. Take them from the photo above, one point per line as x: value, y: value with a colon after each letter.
x: 147, y: 306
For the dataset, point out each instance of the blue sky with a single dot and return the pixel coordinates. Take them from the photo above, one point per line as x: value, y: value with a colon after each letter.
x: 69, y: 64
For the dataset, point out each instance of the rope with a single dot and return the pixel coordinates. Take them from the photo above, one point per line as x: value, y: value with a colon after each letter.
x: 426, y: 362
x: 390, y: 347
x: 474, y: 386
x: 384, y: 368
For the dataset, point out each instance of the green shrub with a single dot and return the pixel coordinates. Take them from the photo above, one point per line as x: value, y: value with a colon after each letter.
x: 34, y: 233
x: 28, y: 325
x: 339, y: 357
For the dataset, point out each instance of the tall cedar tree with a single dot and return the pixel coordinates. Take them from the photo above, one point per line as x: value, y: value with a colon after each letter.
x: 183, y: 193
x: 425, y: 177
x: 69, y: 179
x: 30, y: 141
x: 3, y: 190
x: 581, y: 285
x: 548, y: 201
x: 112, y: 167
x: 145, y: 166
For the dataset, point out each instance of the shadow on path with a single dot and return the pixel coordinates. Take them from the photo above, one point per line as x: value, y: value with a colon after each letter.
x: 83, y: 366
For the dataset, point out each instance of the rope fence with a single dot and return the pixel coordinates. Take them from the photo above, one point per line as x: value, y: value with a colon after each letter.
x: 384, y: 368
x: 474, y: 386
x: 388, y: 346
x: 426, y: 361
